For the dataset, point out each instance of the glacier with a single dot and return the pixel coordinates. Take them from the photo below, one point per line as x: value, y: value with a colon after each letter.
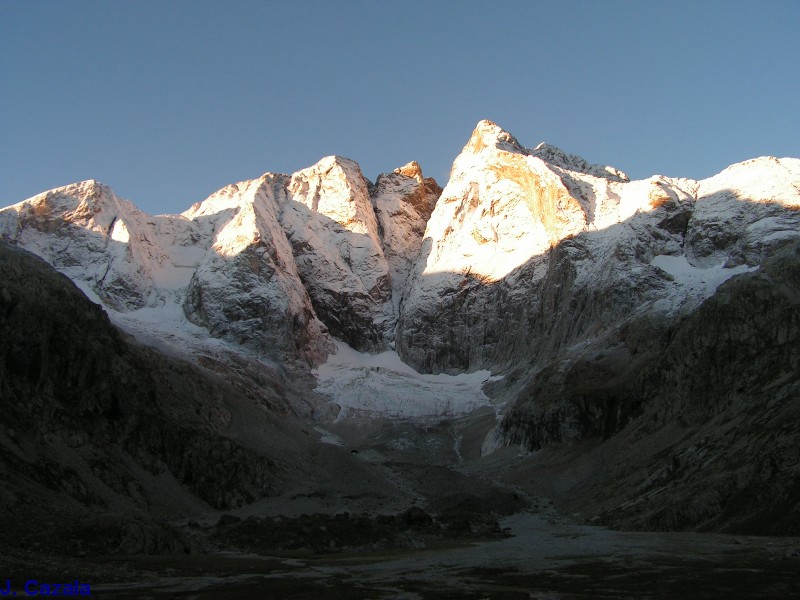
x: 382, y: 385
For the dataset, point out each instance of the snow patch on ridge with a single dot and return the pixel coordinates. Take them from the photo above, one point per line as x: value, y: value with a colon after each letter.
x: 383, y: 385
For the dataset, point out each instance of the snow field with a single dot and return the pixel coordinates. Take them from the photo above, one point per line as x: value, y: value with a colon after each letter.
x: 383, y: 385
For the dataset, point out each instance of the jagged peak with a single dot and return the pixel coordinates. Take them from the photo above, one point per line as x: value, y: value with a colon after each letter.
x: 411, y: 169
x: 572, y: 162
x: 83, y: 190
x: 490, y: 134
x: 327, y: 163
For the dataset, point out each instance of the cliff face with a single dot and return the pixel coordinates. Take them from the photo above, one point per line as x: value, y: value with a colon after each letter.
x: 246, y: 287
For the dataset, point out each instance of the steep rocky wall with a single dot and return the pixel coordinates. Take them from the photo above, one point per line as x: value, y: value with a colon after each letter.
x: 247, y: 288
x: 330, y: 222
x: 403, y: 201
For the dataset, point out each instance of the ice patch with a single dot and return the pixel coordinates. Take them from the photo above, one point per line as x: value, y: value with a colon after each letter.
x: 382, y: 384
x: 701, y: 281
x: 493, y: 441
x: 326, y: 437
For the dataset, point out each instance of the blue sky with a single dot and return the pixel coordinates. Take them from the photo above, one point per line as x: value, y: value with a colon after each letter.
x: 169, y: 101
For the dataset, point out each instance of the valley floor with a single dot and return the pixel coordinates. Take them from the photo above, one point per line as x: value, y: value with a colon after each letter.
x: 540, y: 554
x: 547, y: 557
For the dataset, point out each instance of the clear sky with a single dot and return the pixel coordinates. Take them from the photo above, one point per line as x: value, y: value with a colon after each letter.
x: 167, y: 101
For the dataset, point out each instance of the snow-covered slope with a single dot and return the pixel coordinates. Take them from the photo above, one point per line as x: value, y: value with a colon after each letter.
x: 129, y: 258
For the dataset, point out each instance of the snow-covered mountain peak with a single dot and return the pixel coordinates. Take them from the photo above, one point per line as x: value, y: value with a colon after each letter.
x: 501, y: 207
x: 227, y: 198
x: 102, y: 242
x: 411, y: 169
x: 259, y: 262
x: 509, y: 216
x: 83, y: 201
x: 280, y: 263
x: 763, y: 179
x: 309, y: 244
x: 336, y: 188
x: 333, y: 167
x: 490, y: 134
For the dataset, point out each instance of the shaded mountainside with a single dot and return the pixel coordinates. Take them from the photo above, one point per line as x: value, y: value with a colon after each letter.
x: 110, y: 447
x: 102, y: 439
x: 701, y: 432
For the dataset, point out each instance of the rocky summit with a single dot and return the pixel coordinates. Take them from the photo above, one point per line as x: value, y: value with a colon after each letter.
x: 542, y: 332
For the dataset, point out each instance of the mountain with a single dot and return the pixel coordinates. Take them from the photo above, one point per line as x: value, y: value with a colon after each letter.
x: 271, y: 264
x: 643, y: 335
x: 529, y: 252
x: 647, y: 311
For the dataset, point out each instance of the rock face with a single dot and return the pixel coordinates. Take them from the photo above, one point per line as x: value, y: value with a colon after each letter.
x: 246, y: 288
x: 730, y: 375
x: 404, y: 201
x: 332, y: 226
x: 698, y: 428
